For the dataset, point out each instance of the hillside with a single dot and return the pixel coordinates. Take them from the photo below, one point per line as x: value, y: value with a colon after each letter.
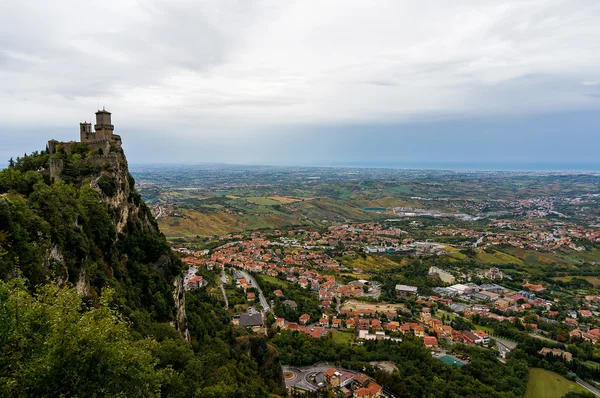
x: 91, y: 294
x: 89, y: 228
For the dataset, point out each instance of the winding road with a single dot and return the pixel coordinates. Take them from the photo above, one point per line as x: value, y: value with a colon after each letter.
x: 261, y: 296
x: 302, y: 373
x: 587, y: 386
x: 224, y: 296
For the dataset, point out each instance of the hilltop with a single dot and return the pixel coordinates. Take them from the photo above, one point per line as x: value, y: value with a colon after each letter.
x: 92, y: 300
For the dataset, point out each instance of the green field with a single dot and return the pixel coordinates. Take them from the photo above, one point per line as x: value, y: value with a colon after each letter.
x: 370, y: 262
x: 261, y: 201
x: 457, y: 256
x: 543, y: 383
x: 497, y: 258
x: 594, y: 280
x: 342, y: 337
x: 274, y: 281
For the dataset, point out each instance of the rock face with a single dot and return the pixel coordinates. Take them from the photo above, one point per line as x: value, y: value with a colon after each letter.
x: 115, y: 171
x: 116, y: 188
x: 71, y: 215
x: 180, y: 322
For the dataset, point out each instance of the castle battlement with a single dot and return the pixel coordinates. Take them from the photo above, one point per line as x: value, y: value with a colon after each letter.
x: 102, y: 138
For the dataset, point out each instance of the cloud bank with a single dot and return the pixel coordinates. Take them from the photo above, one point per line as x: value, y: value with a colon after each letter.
x: 219, y: 71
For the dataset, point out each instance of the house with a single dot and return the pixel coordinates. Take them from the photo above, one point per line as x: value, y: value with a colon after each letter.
x: 457, y: 335
x: 585, y: 313
x: 365, y: 335
x: 419, y: 331
x: 430, y: 342
x: 590, y: 337
x: 571, y: 321
x: 485, y: 339
x: 375, y: 324
x: 304, y: 318
x: 392, y: 326
x: 335, y: 377
x: 350, y: 324
x: 534, y: 288
x: 362, y: 379
x: 391, y: 316
x: 278, y: 293
x: 434, y: 323
x: 251, y: 296
x: 330, y: 377
x: 324, y: 322
x: 363, y: 324
x: 253, y: 320
x: 280, y: 322
x: 336, y: 323
x: 403, y: 291
x: 575, y: 333
x: 471, y: 338
x: 290, y: 303
x: 195, y: 282
x: 567, y: 356
x: 373, y: 390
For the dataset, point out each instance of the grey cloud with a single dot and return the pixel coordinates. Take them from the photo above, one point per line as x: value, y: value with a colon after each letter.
x: 251, y: 65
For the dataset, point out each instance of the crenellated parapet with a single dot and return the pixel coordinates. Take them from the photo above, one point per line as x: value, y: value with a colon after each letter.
x: 101, y: 137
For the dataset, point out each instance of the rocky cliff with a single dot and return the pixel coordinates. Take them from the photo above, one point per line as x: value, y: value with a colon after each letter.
x: 86, y: 225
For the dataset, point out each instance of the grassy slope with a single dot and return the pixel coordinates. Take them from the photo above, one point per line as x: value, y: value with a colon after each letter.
x: 370, y: 263
x: 543, y: 383
x: 274, y: 281
x: 594, y: 280
x: 497, y: 258
x: 253, y: 213
x: 342, y: 337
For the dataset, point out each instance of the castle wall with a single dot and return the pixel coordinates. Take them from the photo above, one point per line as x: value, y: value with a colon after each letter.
x: 102, y: 160
x: 103, y: 144
x: 52, y: 146
x: 56, y: 167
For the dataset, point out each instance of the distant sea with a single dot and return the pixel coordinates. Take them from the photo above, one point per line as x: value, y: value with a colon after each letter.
x: 456, y: 166
x: 479, y: 166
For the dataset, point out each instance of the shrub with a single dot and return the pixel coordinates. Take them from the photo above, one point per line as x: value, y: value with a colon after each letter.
x: 108, y: 185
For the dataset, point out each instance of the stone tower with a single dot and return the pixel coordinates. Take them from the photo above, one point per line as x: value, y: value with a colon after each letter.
x: 85, y: 132
x: 104, y: 128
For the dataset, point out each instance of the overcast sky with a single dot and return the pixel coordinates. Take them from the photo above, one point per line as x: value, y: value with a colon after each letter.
x: 308, y: 82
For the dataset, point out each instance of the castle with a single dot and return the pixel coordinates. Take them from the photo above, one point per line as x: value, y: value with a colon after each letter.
x: 101, y: 139
x: 102, y: 136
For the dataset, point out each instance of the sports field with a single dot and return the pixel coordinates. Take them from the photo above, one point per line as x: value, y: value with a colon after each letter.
x: 543, y: 383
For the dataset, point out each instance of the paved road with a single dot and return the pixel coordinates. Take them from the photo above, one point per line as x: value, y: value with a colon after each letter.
x: 507, y: 343
x: 537, y: 336
x: 224, y: 296
x: 261, y: 296
x: 301, y: 379
x: 224, y: 277
x: 587, y: 386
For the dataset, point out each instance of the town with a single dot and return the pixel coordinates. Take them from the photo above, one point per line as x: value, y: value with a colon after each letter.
x: 306, y: 281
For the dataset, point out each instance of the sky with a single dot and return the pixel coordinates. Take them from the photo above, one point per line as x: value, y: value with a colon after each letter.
x: 509, y: 84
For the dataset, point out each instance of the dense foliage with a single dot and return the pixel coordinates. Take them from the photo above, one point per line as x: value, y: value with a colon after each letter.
x: 305, y: 300
x: 419, y: 373
x: 64, y: 231
x: 90, y: 341
x: 52, y: 345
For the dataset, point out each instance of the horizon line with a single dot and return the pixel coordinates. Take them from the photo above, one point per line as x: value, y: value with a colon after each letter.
x: 522, y: 167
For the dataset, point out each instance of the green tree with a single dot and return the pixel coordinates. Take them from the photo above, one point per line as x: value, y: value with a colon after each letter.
x: 51, y: 344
